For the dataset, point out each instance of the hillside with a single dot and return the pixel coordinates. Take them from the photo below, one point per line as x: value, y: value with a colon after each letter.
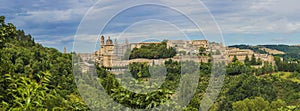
x: 256, y: 49
x: 285, y: 51
x: 34, y: 77
x: 292, y: 52
x: 284, y: 48
x: 271, y: 51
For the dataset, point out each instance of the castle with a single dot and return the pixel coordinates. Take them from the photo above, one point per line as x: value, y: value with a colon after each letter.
x: 111, y: 54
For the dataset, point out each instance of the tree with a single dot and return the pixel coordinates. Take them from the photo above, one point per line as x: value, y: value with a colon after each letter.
x: 139, y: 70
x: 29, y: 94
x: 259, y: 61
x: 7, y: 32
x: 256, y: 104
x: 275, y: 105
x: 247, y: 61
x: 153, y: 51
x: 253, y: 60
x: 236, y: 68
x: 235, y: 59
x: 2, y: 19
x: 202, y: 51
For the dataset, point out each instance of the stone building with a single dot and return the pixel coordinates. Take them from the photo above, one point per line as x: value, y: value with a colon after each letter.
x: 200, y: 43
x: 111, y: 54
x: 190, y: 47
x: 241, y: 55
x: 105, y: 53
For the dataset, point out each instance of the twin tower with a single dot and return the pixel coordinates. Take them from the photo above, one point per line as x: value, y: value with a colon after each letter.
x: 110, y: 51
x: 108, y: 41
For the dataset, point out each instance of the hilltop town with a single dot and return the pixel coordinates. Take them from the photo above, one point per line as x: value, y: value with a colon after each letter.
x: 113, y: 54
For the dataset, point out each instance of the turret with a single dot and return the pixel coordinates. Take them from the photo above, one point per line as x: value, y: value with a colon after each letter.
x: 65, y: 50
x: 102, y: 41
x: 116, y: 41
x: 109, y: 41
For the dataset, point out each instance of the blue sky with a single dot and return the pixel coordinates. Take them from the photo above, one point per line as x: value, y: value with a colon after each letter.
x: 54, y: 23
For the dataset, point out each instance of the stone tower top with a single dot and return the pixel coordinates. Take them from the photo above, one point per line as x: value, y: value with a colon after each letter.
x: 109, y: 41
x: 65, y: 50
x: 102, y: 41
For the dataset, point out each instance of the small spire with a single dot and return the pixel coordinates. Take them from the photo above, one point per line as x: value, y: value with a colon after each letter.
x: 126, y: 41
x: 116, y: 41
x: 65, y: 50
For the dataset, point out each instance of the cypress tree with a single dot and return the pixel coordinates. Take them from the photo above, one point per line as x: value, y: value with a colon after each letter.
x: 253, y: 60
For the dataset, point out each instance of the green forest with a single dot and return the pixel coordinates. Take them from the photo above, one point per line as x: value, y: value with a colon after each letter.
x: 34, y: 77
x: 153, y: 51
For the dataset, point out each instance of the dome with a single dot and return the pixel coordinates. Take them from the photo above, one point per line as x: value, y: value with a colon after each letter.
x: 108, y: 41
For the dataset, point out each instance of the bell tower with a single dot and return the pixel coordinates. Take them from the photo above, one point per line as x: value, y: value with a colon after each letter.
x: 65, y: 50
x: 102, y: 41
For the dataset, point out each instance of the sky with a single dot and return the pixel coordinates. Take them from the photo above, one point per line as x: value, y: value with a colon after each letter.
x: 60, y: 23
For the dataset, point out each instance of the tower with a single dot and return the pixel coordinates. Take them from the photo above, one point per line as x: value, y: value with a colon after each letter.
x: 102, y: 41
x: 65, y: 50
x: 116, y: 41
x: 126, y: 41
x: 109, y: 41
x: 116, y: 47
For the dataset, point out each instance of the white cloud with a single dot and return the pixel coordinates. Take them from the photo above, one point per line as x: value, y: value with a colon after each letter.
x: 262, y: 16
x: 233, y: 16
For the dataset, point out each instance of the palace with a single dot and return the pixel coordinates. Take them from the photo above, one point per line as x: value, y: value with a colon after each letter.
x: 112, y: 54
x: 109, y: 52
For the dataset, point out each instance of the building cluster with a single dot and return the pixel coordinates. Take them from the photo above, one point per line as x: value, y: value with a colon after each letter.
x: 112, y: 54
x: 188, y: 47
x: 241, y: 55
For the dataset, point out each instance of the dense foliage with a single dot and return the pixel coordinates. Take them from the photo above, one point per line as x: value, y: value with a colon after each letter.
x: 153, y: 51
x: 139, y: 70
x: 34, y: 77
x: 136, y: 100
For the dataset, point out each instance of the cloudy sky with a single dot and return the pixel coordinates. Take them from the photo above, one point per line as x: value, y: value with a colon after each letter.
x: 55, y: 23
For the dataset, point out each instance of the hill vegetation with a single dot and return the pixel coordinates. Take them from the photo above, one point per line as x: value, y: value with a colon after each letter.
x: 256, y: 49
x: 34, y: 77
x: 153, y: 51
x: 292, y: 53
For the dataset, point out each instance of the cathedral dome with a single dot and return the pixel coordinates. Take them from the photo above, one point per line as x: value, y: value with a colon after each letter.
x: 109, y: 41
